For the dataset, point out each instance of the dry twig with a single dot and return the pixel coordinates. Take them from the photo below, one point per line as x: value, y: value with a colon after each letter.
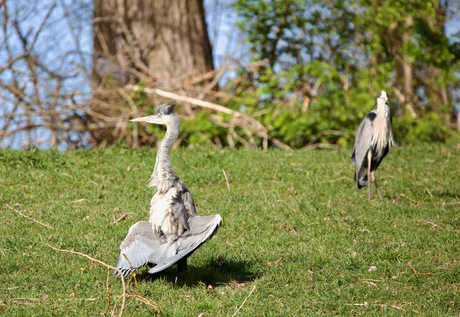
x: 30, y: 218
x: 122, y: 217
x: 415, y: 202
x: 226, y: 179
x: 147, y: 302
x: 239, y: 118
x: 236, y: 312
x: 415, y: 271
x: 433, y: 225
x: 109, y: 267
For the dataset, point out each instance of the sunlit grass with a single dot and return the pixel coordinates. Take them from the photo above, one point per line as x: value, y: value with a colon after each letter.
x: 295, y: 227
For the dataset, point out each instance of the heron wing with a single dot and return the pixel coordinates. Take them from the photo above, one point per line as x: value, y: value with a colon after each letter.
x: 187, y: 200
x: 137, y: 248
x: 202, y: 228
x: 141, y: 246
x: 361, y: 147
x: 183, y: 207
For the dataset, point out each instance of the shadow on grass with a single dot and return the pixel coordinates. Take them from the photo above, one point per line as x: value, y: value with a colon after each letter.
x: 218, y: 271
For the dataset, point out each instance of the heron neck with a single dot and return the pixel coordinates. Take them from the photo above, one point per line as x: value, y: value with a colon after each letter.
x: 163, y: 172
x: 383, y: 135
x: 380, y: 106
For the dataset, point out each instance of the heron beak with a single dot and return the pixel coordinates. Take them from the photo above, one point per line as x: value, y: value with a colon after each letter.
x: 156, y: 119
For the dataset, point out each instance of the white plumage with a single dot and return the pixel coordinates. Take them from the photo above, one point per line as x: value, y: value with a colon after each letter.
x: 373, y: 142
x: 173, y: 231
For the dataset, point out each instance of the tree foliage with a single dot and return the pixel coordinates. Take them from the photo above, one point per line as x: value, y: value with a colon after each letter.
x: 308, y: 72
x: 327, y: 61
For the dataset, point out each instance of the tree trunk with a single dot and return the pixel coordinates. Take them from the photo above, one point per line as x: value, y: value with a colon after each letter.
x: 165, y: 39
x: 158, y: 41
x: 406, y: 70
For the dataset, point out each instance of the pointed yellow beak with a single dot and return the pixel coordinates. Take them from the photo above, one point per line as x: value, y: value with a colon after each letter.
x: 156, y: 119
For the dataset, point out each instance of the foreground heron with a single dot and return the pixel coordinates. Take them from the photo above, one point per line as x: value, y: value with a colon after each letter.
x: 174, y: 231
x: 373, y: 141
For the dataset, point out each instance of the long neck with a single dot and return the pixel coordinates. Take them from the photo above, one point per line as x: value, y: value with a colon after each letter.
x: 380, y: 105
x: 163, y: 172
x: 383, y: 135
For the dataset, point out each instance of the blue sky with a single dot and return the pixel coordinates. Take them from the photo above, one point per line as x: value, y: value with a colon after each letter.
x: 64, y: 43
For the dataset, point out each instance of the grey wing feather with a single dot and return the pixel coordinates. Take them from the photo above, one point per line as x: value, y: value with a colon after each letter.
x: 141, y: 246
x: 137, y: 248
x: 181, y: 216
x: 183, y: 207
x: 361, y: 148
x: 187, y: 200
x: 202, y: 228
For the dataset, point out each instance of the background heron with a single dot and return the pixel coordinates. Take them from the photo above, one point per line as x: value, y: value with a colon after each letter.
x: 173, y: 231
x: 105, y: 68
x: 373, y: 142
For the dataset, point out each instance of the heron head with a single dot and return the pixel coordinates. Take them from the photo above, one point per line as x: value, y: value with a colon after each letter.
x: 164, y: 114
x: 383, y: 96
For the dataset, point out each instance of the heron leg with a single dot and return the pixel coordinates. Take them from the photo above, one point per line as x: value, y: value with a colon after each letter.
x: 369, y: 157
x: 182, y: 265
x: 376, y: 186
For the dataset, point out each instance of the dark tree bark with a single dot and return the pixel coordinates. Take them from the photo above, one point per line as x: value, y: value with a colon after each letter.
x: 156, y: 41
x: 165, y: 39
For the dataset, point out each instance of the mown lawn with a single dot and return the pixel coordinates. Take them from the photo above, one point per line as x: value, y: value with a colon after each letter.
x: 298, y: 238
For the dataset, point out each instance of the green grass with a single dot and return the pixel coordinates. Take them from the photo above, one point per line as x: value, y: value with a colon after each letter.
x: 295, y: 227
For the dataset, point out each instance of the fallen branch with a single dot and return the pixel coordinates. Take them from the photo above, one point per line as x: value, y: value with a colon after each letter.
x: 226, y: 179
x: 29, y: 218
x: 415, y: 202
x: 108, y: 266
x: 236, y: 312
x: 25, y: 299
x: 433, y: 225
x: 196, y: 102
x: 124, y: 295
x: 122, y: 217
x: 369, y: 280
x: 415, y: 271
x: 146, y: 302
x: 260, y: 129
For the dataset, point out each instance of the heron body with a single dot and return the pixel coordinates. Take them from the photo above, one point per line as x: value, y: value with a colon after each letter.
x: 373, y: 142
x: 173, y: 231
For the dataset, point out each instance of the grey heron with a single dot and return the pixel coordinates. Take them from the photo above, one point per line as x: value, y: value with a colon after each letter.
x: 373, y: 142
x: 105, y: 68
x: 173, y: 231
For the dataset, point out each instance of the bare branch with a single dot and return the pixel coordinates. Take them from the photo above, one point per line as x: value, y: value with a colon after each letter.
x: 247, y: 297
x: 108, y: 266
x: 238, y: 117
x: 29, y: 218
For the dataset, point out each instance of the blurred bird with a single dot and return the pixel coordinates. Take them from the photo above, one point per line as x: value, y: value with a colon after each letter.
x: 174, y: 231
x: 106, y: 68
x: 373, y: 142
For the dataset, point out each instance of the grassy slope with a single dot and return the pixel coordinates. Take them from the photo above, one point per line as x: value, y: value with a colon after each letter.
x: 295, y: 226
